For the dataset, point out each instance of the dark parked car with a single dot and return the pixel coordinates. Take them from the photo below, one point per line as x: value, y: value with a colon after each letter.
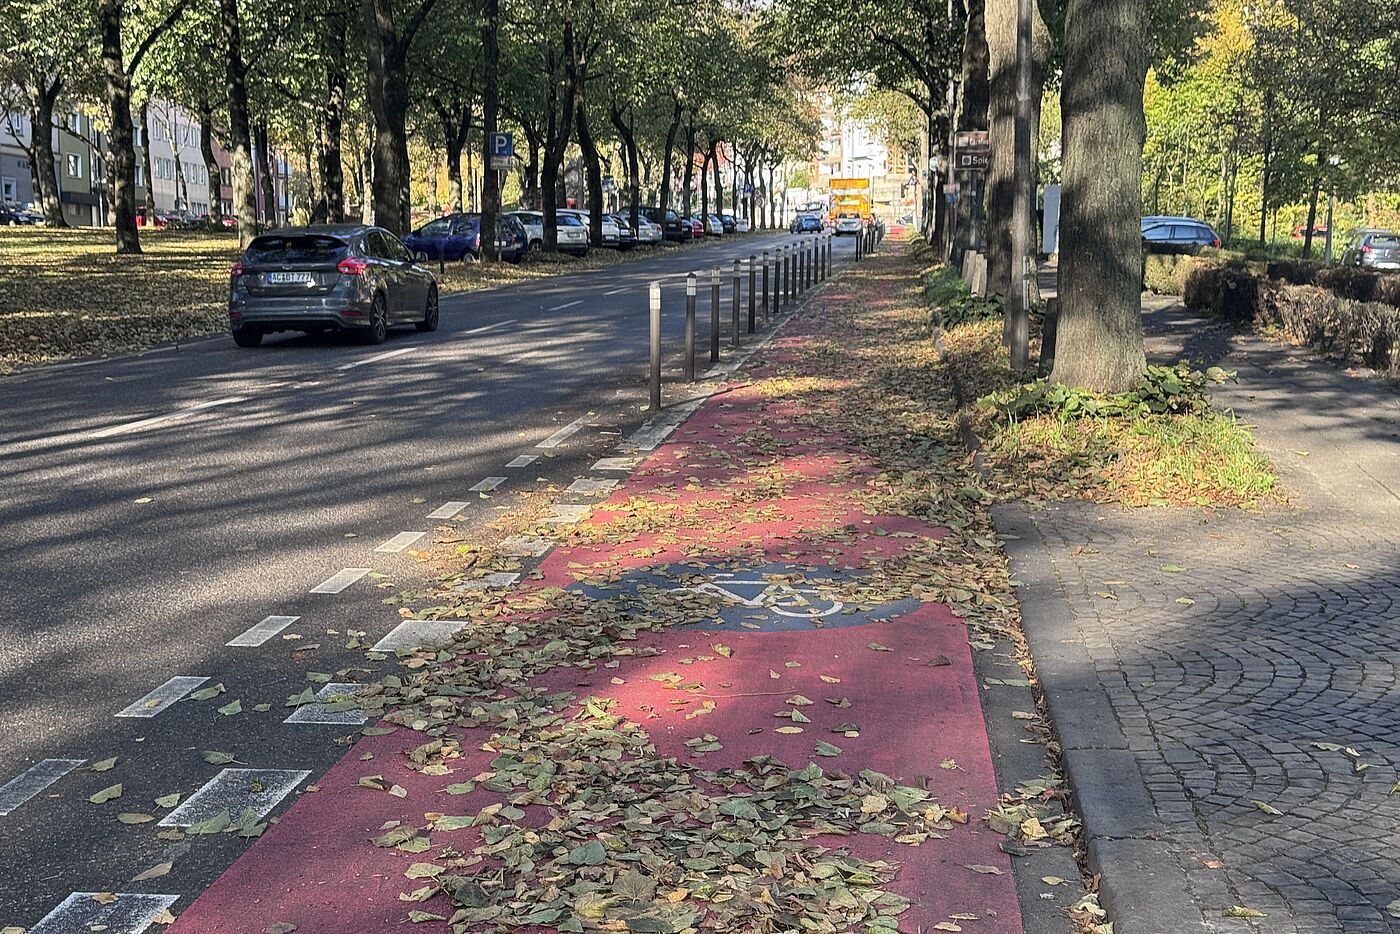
x: 11, y: 216
x: 1372, y: 248
x: 1176, y: 235
x: 457, y: 238
x: 626, y: 236
x: 349, y: 277
x: 729, y: 223
x: 697, y: 227
x: 806, y: 223
x: 673, y: 226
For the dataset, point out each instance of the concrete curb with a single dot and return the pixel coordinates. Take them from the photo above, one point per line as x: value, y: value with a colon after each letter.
x: 1142, y: 886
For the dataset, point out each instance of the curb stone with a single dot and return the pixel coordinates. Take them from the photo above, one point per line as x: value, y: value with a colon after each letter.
x: 1143, y: 887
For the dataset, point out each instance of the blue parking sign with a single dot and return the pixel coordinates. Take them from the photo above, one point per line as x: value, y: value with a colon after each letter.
x: 502, y: 146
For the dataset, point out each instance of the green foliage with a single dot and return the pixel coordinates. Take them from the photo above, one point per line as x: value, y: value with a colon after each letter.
x: 1162, y: 390
x: 951, y: 302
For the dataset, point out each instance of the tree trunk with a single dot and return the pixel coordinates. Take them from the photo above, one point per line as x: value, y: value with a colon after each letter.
x: 530, y: 184
x: 182, y: 187
x: 143, y: 118
x: 561, y: 121
x: 1001, y: 175
x: 719, y: 182
x: 490, y: 115
x: 120, y: 146
x: 1312, y: 212
x: 688, y: 175
x: 245, y: 204
x: 627, y: 133
x: 333, y: 175
x: 386, y: 86
x: 1100, y: 342
x: 705, y: 189
x: 40, y: 150
x: 663, y: 200
x: 591, y: 165
x: 972, y: 115
x: 211, y: 165
x: 267, y: 169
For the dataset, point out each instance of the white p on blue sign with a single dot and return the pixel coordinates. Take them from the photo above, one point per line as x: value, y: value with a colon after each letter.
x: 502, y: 149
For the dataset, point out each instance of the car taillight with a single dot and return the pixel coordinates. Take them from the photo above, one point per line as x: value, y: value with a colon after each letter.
x: 351, y: 266
x: 236, y: 271
x: 1366, y: 249
x: 1215, y: 243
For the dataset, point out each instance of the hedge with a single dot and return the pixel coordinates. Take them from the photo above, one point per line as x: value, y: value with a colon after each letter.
x: 1361, y: 332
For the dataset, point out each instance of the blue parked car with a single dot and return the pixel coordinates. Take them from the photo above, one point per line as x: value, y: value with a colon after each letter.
x: 457, y: 238
x: 1171, y: 234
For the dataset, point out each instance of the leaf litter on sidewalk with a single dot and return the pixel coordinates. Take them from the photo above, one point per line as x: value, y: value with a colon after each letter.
x: 595, y: 828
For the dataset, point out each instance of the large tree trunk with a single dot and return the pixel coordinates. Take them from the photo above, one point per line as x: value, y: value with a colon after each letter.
x: 267, y: 169
x: 386, y: 86
x: 245, y: 203
x: 1099, y: 343
x: 705, y: 189
x: 40, y: 150
x: 144, y: 119
x: 1001, y: 175
x: 333, y: 173
x: 490, y: 114
x: 182, y: 187
x: 688, y: 175
x: 627, y: 133
x: 663, y: 200
x: 530, y: 182
x: 120, y: 146
x: 719, y: 182
x: 591, y: 164
x: 211, y: 165
x: 561, y: 122
x: 972, y: 115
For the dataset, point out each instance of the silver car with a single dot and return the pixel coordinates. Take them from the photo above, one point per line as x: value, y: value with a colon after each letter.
x: 350, y: 277
x: 1373, y: 248
x: 849, y: 224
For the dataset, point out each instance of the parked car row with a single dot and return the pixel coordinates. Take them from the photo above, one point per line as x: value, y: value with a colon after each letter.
x: 12, y: 215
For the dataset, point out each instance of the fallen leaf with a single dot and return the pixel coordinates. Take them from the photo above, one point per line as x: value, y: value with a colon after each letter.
x: 1239, y: 911
x: 104, y: 898
x: 217, y: 758
x: 130, y: 817
x: 234, y: 707
x: 281, y: 927
x: 1052, y: 880
x: 104, y: 765
x: 985, y: 870
x: 155, y: 872
x: 163, y: 917
x: 1266, y: 808
x: 878, y: 647
x: 208, y: 693
x: 111, y: 792
x: 827, y: 749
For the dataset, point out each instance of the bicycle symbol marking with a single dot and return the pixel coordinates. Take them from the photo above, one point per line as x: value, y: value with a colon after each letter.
x: 781, y: 598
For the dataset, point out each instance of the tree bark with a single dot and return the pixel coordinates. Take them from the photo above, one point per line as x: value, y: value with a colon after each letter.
x: 626, y: 131
x: 43, y: 100
x: 386, y: 86
x: 490, y: 113
x: 182, y: 187
x: 664, y: 196
x: 561, y: 121
x: 120, y: 146
x: 591, y: 165
x: 245, y: 203
x: 972, y: 115
x: 211, y: 165
x: 267, y: 165
x: 705, y: 188
x: 1100, y: 343
x: 688, y: 175
x: 719, y: 182
x: 144, y: 119
x: 333, y: 173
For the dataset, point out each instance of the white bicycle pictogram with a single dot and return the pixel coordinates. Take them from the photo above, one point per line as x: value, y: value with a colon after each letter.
x: 779, y: 597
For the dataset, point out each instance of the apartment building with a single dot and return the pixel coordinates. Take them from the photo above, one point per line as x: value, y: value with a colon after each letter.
x: 178, y: 180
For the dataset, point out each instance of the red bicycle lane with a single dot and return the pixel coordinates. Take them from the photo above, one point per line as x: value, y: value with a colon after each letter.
x: 890, y: 684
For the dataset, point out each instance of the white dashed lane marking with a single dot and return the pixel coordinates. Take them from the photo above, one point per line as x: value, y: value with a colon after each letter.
x: 523, y: 460
x: 399, y: 542
x: 490, y: 327
x: 33, y: 780
x: 615, y: 463
x: 162, y: 697
x: 587, y: 486
x: 340, y: 580
x: 615, y: 292
x: 236, y: 791
x: 158, y: 419
x: 131, y: 913
x: 563, y: 434
x: 259, y: 633
x: 492, y: 581
x: 448, y: 510
x: 566, y: 305
x: 566, y: 512
x: 524, y: 546
x: 376, y: 358
x: 415, y: 632
x: 335, y: 705
x: 487, y: 485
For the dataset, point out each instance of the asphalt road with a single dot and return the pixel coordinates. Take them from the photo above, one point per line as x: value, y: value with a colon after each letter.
x: 156, y: 506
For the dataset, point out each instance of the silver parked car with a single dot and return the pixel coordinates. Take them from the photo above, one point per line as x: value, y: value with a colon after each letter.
x: 350, y: 277
x: 1373, y: 248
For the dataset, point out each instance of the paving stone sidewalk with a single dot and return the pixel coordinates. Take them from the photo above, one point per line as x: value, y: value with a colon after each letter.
x: 1226, y: 683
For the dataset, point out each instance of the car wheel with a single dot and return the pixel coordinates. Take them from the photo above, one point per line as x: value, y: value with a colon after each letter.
x: 469, y: 258
x: 430, y: 314
x: 378, y: 323
x: 247, y: 337
x: 536, y: 246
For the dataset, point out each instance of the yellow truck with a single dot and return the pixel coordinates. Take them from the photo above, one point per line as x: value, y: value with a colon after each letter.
x: 850, y: 196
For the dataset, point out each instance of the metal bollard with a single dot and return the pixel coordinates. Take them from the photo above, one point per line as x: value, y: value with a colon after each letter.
x: 690, y: 328
x: 656, y: 346
x: 734, y: 306
x: 858, y: 239
x: 821, y: 259
x: 811, y: 262
x: 787, y: 277
x: 765, y: 287
x: 753, y: 273
x: 714, y: 315
x: 801, y: 265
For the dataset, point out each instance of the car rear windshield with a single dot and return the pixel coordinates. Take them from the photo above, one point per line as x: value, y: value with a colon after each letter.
x: 569, y: 220
x: 302, y: 249
x: 1385, y: 241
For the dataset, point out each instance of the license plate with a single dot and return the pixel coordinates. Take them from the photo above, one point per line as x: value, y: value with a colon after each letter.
x: 289, y: 278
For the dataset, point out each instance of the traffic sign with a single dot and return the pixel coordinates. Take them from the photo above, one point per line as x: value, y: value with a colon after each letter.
x: 972, y: 151
x: 748, y: 189
x: 502, y: 149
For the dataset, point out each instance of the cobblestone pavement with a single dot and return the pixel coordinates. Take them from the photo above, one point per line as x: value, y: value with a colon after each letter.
x: 1251, y: 659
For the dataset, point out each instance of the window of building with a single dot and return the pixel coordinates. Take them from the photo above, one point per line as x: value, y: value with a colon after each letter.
x: 75, y: 165
x: 225, y: 177
x: 140, y: 174
x: 9, y: 189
